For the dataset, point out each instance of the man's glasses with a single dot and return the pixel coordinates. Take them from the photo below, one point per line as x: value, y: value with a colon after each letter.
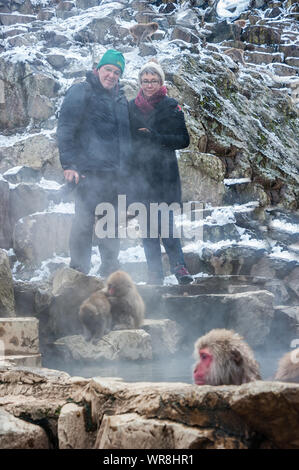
x: 150, y: 82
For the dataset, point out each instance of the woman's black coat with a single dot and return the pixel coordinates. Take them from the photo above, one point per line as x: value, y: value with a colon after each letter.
x: 155, y: 173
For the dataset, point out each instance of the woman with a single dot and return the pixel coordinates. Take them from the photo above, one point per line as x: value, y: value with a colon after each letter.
x: 158, y: 129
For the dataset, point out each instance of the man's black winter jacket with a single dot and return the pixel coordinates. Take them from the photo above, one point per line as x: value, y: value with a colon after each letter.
x: 93, y: 128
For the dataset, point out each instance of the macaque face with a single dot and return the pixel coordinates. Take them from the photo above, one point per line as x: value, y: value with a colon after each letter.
x: 118, y: 285
x: 202, y: 368
x: 150, y: 84
x: 109, y: 76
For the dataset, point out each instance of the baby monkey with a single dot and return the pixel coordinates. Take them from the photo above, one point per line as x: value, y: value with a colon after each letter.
x: 143, y: 31
x: 117, y: 307
x: 95, y: 316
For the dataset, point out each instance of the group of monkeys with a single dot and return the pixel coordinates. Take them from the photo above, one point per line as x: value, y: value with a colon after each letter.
x: 222, y: 356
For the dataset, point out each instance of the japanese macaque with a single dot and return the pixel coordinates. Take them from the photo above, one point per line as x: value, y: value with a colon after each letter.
x: 236, y: 54
x: 95, y: 316
x: 143, y: 31
x: 288, y: 367
x: 224, y: 359
x: 127, y: 306
x: 240, y: 23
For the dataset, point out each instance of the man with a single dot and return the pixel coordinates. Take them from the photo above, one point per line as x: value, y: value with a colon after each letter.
x: 94, y: 146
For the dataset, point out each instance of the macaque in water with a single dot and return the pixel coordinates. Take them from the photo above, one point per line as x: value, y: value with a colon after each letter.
x: 288, y: 367
x: 127, y: 306
x: 95, y: 316
x: 143, y: 31
x: 224, y: 358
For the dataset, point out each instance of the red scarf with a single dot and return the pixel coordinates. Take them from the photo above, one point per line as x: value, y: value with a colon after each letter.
x: 146, y: 105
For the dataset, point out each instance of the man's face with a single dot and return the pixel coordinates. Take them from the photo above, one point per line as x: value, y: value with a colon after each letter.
x: 109, y: 75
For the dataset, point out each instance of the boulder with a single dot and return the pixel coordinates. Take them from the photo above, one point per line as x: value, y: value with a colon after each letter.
x: 131, y: 431
x: 184, y: 34
x: 38, y: 236
x: 85, y: 4
x: 31, y: 298
x: 202, y: 177
x: 19, y: 336
x: 27, y: 94
x: 248, y: 313
x: 129, y: 345
x: 173, y: 415
x: 11, y: 19
x: 25, y: 199
x: 101, y: 29
x: 261, y: 58
x: 275, y: 268
x: 7, y: 301
x: 264, y: 410
x: 5, y: 224
x: 261, y: 35
x: 22, y: 174
x: 165, y: 336
x: 72, y: 429
x: 69, y: 289
x: 16, y: 433
x: 146, y: 49
x: 38, y: 152
x: 292, y: 281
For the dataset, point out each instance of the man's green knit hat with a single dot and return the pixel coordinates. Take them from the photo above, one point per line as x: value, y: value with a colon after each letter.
x: 113, y: 57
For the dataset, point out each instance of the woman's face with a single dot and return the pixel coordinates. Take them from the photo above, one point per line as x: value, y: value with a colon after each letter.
x: 150, y: 84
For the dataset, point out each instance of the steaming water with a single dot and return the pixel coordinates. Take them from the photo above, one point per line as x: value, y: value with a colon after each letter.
x: 172, y: 370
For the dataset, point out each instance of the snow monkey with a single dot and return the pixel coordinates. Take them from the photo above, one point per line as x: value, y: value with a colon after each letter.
x: 95, y: 316
x: 127, y: 306
x: 224, y: 359
x: 236, y: 54
x: 288, y: 367
x: 143, y: 31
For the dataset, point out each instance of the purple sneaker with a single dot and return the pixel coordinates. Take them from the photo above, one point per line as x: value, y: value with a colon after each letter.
x: 182, y: 274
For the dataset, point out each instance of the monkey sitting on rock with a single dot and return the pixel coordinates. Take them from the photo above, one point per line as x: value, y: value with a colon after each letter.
x: 224, y: 358
x: 127, y: 306
x: 95, y: 316
x: 118, y: 306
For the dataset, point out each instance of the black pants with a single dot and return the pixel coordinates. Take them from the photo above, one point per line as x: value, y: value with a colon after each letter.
x: 152, y: 247
x: 92, y: 190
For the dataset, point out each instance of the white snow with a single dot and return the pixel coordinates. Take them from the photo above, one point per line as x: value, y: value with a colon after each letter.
x: 13, y: 171
x: 278, y: 252
x: 49, y: 184
x: 231, y: 8
x: 62, y: 208
x: 232, y: 181
x: 284, y: 226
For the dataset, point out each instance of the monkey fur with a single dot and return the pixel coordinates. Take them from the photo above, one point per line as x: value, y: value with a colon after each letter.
x: 95, y: 316
x: 127, y: 306
x: 233, y: 360
x: 236, y: 54
x: 118, y: 306
x: 288, y: 367
x: 143, y: 31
